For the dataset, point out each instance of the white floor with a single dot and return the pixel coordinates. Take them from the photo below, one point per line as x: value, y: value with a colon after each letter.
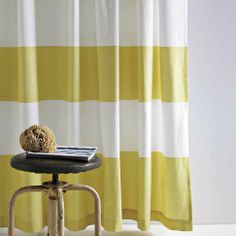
x: 156, y: 230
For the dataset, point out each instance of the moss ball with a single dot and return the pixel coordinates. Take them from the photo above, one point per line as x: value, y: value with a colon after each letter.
x: 38, y: 138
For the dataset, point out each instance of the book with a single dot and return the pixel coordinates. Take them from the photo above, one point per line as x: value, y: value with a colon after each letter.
x: 67, y: 153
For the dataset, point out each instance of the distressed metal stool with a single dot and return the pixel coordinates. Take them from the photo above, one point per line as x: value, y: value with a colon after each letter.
x: 54, y: 189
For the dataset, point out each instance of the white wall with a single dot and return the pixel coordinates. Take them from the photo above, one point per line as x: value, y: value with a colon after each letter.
x: 212, y: 87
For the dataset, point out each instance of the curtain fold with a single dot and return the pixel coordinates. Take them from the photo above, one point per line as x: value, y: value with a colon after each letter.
x: 105, y: 73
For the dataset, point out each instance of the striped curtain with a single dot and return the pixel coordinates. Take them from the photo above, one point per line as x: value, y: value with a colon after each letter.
x: 105, y: 73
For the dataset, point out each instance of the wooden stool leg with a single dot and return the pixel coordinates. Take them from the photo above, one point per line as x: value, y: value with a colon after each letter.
x: 96, y: 201
x: 11, y: 220
x: 55, y: 211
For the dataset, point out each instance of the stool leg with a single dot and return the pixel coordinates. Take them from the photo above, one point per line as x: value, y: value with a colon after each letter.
x: 60, y: 214
x: 96, y: 201
x: 55, y: 211
x: 11, y: 220
x: 52, y: 212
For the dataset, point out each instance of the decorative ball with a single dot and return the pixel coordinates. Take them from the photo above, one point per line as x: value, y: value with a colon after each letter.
x: 38, y: 138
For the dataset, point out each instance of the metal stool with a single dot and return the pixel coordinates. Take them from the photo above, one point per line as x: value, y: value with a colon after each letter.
x: 54, y: 189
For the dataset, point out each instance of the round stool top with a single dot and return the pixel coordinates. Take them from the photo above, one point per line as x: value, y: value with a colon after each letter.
x: 50, y: 166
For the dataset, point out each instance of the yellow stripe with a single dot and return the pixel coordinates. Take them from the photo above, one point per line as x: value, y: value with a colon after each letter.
x: 146, y: 189
x: 29, y: 74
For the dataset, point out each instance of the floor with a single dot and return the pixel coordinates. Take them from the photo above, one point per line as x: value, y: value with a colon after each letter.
x: 156, y: 230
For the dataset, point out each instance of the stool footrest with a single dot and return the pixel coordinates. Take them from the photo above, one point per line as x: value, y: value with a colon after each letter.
x: 54, y: 192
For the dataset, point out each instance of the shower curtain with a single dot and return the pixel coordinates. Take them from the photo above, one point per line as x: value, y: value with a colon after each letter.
x: 105, y: 73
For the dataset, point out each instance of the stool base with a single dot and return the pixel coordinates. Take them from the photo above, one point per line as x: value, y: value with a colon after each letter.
x: 54, y: 190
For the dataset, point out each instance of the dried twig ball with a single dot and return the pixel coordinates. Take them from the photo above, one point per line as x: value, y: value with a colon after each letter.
x: 38, y: 138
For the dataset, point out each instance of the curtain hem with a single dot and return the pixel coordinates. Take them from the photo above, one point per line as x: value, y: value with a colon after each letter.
x: 108, y: 225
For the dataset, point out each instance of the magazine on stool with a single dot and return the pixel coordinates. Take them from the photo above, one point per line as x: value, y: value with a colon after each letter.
x: 67, y: 153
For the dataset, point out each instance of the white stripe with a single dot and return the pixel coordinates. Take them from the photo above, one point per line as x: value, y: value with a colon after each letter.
x: 111, y: 126
x: 26, y: 22
x: 107, y: 21
x: 170, y: 128
x: 145, y: 26
x: 72, y: 114
x: 145, y: 129
x: 74, y: 23
x: 102, y: 23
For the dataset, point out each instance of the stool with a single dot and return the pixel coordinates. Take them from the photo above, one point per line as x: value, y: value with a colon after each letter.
x: 54, y: 189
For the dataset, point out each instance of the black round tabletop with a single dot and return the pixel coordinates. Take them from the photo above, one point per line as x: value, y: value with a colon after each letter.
x: 50, y: 166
